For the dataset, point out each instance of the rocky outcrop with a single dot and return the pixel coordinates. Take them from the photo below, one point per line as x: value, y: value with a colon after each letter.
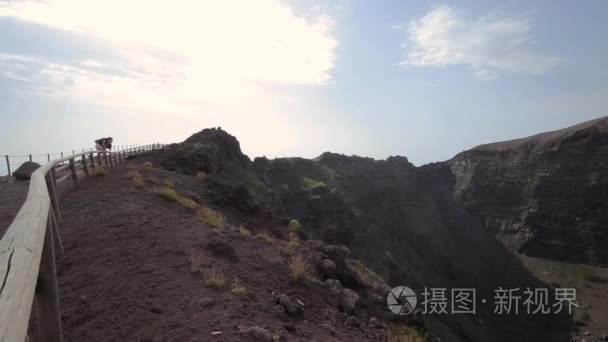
x: 546, y: 195
x: 24, y: 172
x: 207, y: 152
x: 429, y: 226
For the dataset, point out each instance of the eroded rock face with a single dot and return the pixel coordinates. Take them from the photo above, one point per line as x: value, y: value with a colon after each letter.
x: 404, y: 224
x: 545, y: 195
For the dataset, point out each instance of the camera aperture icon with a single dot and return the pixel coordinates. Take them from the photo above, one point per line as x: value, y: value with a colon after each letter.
x: 401, y: 300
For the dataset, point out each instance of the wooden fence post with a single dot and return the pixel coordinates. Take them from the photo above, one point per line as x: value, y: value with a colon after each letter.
x: 47, y: 294
x: 73, y: 171
x: 61, y: 155
x: 8, y: 165
x: 105, y: 159
x: 84, y: 165
x: 92, y: 161
x: 48, y: 157
x: 56, y: 235
x: 52, y: 187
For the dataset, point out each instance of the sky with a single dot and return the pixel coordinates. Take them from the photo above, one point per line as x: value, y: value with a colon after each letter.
x: 422, y: 79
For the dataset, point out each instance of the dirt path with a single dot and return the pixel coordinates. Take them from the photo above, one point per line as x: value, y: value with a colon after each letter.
x: 131, y: 273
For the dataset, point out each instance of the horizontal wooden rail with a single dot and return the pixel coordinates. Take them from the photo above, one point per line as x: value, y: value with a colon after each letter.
x: 32, y: 242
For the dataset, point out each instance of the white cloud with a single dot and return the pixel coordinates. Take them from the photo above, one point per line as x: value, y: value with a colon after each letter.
x: 489, y: 44
x: 214, y: 63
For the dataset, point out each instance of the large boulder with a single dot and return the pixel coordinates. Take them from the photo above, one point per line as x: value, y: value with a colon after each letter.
x: 292, y: 308
x: 24, y: 172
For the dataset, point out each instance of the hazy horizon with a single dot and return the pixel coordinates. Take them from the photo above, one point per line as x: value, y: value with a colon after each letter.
x: 424, y: 80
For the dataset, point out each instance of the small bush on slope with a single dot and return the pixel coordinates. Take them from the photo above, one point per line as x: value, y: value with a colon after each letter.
x: 211, y: 217
x: 214, y: 279
x: 289, y: 248
x: 136, y: 178
x: 265, y: 236
x: 186, y: 202
x: 237, y: 288
x: 301, y: 270
x: 310, y: 183
x: 244, y: 231
x: 294, y: 225
x: 168, y: 193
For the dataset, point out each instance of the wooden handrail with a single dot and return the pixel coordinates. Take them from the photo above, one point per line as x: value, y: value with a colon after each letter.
x: 30, y: 245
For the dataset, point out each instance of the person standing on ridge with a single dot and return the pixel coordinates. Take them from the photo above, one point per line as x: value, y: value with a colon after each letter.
x: 103, y: 144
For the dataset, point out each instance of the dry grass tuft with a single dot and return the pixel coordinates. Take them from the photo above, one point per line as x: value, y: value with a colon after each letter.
x: 211, y: 217
x: 187, y: 202
x: 265, y: 237
x: 138, y: 182
x: 301, y: 271
x: 214, y: 279
x: 244, y: 231
x: 168, y: 193
x: 237, y: 288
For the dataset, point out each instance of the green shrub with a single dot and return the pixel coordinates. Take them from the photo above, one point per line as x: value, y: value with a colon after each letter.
x: 187, y: 202
x: 237, y: 288
x: 265, y: 236
x: 290, y: 247
x: 211, y: 217
x: 244, y: 231
x: 301, y: 271
x: 168, y: 193
x: 310, y: 183
x: 294, y: 225
x: 214, y: 279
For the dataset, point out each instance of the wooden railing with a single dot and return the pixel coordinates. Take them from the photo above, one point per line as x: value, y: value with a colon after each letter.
x: 32, y: 241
